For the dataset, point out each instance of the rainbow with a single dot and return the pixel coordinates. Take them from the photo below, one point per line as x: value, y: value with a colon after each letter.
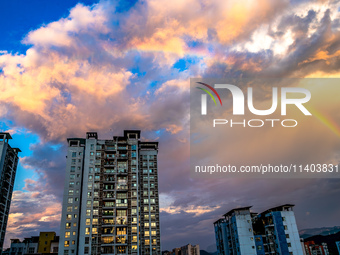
x: 327, y: 121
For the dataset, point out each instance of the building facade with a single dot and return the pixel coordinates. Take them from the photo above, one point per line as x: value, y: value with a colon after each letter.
x: 274, y: 231
x: 110, y: 203
x: 8, y: 167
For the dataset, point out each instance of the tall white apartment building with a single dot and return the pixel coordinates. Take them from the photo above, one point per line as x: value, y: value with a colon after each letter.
x: 110, y: 203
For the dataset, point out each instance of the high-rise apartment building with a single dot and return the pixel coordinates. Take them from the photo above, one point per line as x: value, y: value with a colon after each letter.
x: 8, y: 167
x: 110, y: 203
x: 273, y: 231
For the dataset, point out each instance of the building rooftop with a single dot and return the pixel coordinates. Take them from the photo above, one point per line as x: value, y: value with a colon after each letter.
x: 237, y: 210
x: 285, y: 207
x: 7, y: 135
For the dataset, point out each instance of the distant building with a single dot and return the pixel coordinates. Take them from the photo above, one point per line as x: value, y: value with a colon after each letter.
x: 273, y: 231
x: 185, y: 250
x: 338, y: 246
x: 45, y: 243
x: 8, y: 167
x: 314, y: 249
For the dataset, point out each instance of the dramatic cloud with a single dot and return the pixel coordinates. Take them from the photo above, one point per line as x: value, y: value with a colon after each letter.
x: 102, y: 70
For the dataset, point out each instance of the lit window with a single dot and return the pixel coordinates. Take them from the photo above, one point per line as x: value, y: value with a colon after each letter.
x: 68, y: 225
x: 69, y: 216
x: 67, y: 243
x: 67, y: 234
x: 88, y: 221
x: 69, y: 209
x: 94, y: 231
x: 87, y: 231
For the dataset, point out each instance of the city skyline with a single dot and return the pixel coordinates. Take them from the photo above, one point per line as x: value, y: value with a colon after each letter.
x: 70, y: 67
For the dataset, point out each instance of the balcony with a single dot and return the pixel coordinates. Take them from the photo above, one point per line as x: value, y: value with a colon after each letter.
x: 122, y: 187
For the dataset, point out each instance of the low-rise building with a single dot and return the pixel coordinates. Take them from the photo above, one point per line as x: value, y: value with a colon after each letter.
x: 185, y: 250
x: 45, y: 243
x: 316, y: 249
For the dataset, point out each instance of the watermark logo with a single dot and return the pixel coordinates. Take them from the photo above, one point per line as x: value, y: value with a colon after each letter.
x: 239, y: 98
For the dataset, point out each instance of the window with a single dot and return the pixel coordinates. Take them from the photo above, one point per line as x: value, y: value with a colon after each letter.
x: 283, y: 219
x: 74, y: 233
x: 88, y: 221
x: 87, y: 240
x: 69, y: 216
x: 69, y: 209
x: 70, y: 200
x: 95, y: 221
x: 95, y: 212
x: 88, y: 203
x: 75, y: 216
x: 65, y: 252
x: 88, y: 212
x: 153, y: 224
x: 94, y: 231
x: 67, y: 234
x: 86, y: 249
x: 74, y: 224
x: 147, y: 233
x: 68, y: 225
x: 73, y: 242
x: 74, y: 154
x: 72, y: 176
x: 67, y: 243
x: 287, y: 235
x: 70, y: 192
x: 87, y: 231
x: 71, y: 184
x: 91, y: 153
x: 153, y: 232
x: 289, y: 244
x: 285, y: 226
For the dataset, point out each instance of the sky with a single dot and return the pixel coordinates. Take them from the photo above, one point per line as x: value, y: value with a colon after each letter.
x: 68, y: 67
